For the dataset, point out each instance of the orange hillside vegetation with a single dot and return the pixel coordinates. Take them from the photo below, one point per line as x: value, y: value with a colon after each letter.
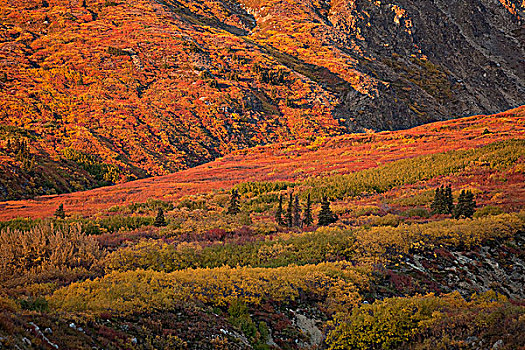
x: 288, y: 161
x: 107, y: 91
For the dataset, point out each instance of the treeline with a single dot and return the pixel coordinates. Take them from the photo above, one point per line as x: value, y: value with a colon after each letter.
x: 103, y: 173
x: 256, y: 188
x: 294, y: 216
x: 407, y: 171
x: 35, y: 172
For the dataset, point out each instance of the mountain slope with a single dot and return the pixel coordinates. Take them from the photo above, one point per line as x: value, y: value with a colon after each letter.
x: 292, y: 161
x: 104, y: 92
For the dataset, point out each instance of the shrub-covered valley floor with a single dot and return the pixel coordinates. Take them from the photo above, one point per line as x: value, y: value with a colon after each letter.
x: 201, y: 259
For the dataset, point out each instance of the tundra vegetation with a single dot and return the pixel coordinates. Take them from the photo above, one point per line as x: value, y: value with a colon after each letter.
x: 369, y: 257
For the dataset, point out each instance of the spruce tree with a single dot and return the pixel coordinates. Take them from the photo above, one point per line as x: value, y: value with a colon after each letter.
x: 279, y: 213
x: 297, y: 212
x: 234, y: 207
x: 449, y: 200
x: 159, y: 219
x: 466, y: 205
x: 459, y: 208
x: 436, y: 204
x: 308, y: 219
x: 289, y: 212
x: 470, y: 204
x: 60, y: 212
x: 326, y: 217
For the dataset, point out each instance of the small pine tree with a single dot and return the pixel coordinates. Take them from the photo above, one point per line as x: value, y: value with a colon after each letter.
x: 289, y: 212
x: 234, y: 207
x: 449, y: 200
x: 296, y: 212
x: 326, y: 217
x: 279, y: 213
x: 436, y: 204
x: 466, y: 205
x: 60, y: 212
x: 308, y: 219
x: 159, y: 219
x: 470, y: 204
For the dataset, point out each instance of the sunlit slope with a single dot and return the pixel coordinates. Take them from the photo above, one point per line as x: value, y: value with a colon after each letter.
x: 109, y: 91
x: 289, y: 162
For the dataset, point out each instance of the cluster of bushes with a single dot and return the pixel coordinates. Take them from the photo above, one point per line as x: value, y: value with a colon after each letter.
x: 103, y: 173
x: 337, y: 285
x: 308, y: 248
x: 112, y: 224
x: 430, y: 322
x: 46, y: 247
x: 326, y: 244
x: 387, y: 241
x: 269, y: 76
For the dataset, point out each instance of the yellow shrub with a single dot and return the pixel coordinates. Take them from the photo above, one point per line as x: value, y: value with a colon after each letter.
x: 140, y: 291
x: 45, y: 247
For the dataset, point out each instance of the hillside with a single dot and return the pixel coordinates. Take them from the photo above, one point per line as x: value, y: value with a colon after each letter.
x: 420, y: 246
x: 103, y: 92
x: 290, y: 161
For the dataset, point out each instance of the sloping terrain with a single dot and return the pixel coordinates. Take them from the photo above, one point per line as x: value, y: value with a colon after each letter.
x: 234, y: 254
x: 292, y: 161
x: 109, y: 91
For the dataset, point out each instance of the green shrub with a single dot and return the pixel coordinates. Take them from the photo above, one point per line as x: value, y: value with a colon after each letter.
x: 488, y: 210
x: 416, y: 212
x: 34, y: 304
x: 498, y: 155
x: 427, y: 322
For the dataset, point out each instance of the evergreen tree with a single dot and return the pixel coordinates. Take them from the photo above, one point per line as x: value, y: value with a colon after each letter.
x: 60, y: 212
x: 297, y: 212
x: 289, y: 212
x: 470, y: 204
x: 279, y: 213
x: 449, y: 200
x: 234, y: 207
x: 159, y: 220
x: 326, y: 217
x: 459, y: 208
x: 436, y: 204
x: 308, y: 219
x: 443, y: 201
x: 466, y: 205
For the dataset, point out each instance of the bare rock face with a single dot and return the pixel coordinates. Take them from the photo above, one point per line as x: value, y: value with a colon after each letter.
x: 414, y: 61
x: 497, y: 266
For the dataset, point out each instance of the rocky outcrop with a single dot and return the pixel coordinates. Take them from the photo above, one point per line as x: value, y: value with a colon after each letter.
x: 413, y: 61
x: 498, y: 266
